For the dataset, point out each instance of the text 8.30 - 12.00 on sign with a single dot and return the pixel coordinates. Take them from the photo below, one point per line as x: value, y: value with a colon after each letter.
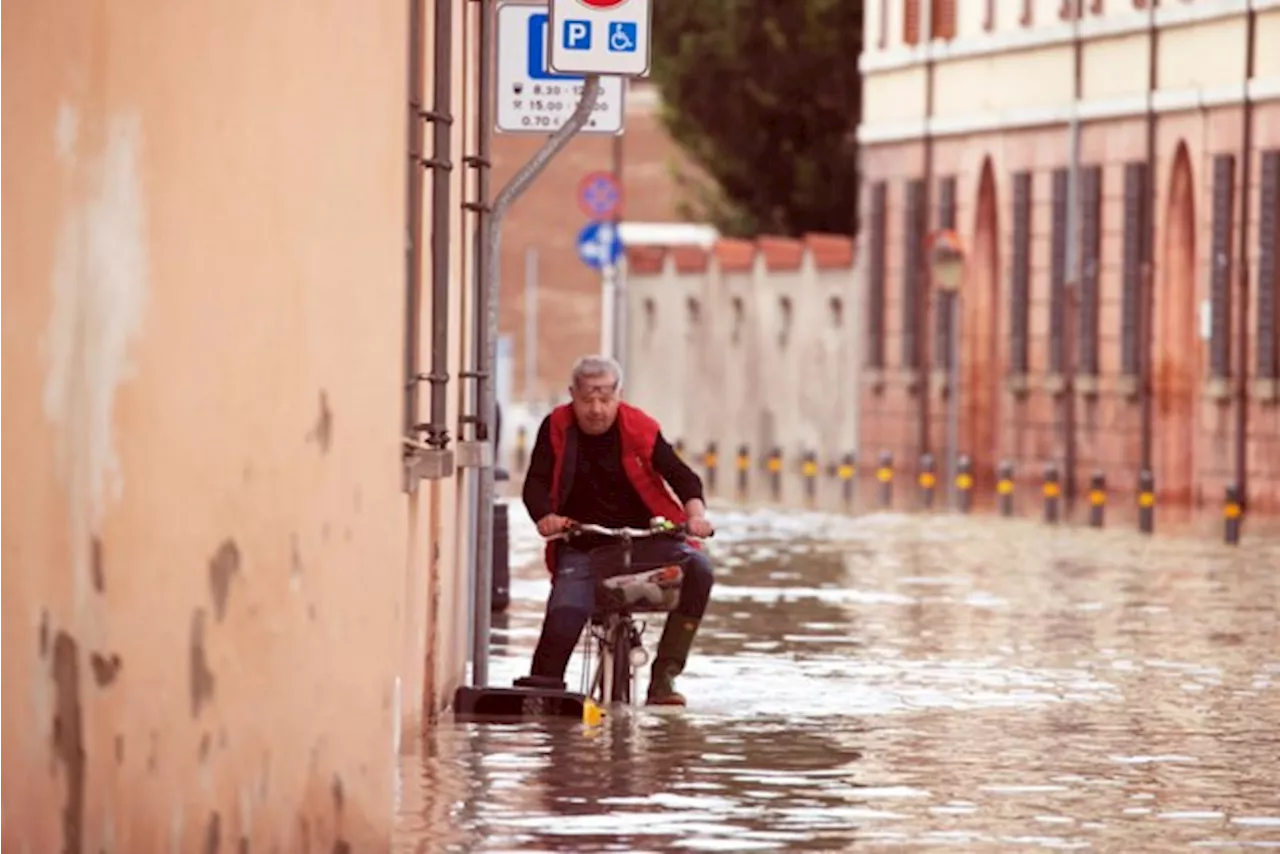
x: 530, y: 97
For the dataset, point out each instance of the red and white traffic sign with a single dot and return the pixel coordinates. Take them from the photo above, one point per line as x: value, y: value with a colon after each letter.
x: 600, y: 196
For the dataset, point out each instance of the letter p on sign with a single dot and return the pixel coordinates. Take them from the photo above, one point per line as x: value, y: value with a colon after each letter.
x: 577, y: 35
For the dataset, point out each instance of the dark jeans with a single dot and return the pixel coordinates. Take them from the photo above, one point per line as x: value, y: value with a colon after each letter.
x: 573, y: 599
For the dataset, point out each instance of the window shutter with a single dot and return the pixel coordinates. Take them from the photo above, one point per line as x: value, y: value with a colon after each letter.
x: 1091, y: 235
x: 1019, y: 296
x: 912, y: 259
x: 1058, y: 270
x: 1135, y: 225
x: 876, y: 277
x: 1268, y: 271
x: 942, y: 314
x: 1224, y: 171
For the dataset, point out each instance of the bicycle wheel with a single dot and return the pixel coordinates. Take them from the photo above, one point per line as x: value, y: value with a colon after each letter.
x: 622, y: 664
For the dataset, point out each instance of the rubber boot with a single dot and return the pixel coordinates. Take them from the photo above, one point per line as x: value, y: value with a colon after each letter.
x: 673, y: 652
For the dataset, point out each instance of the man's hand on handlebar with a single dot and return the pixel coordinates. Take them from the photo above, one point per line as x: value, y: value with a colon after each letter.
x: 698, y: 526
x: 552, y: 524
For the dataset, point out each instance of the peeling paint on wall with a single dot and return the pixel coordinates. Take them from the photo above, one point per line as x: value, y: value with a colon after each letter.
x: 99, y: 284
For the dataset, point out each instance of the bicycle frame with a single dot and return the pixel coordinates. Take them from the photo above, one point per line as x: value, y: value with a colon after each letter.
x: 615, y: 635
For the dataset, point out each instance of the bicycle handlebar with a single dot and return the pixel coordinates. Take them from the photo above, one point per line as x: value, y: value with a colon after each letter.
x: 622, y: 533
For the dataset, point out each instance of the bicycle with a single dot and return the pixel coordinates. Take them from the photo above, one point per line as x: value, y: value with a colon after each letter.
x: 619, y: 597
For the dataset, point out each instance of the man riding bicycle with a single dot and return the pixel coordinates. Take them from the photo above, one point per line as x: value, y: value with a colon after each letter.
x: 601, y: 461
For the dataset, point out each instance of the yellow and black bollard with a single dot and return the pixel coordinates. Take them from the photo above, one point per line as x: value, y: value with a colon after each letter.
x: 1232, y: 513
x: 710, y: 462
x: 1146, y: 502
x: 775, y: 473
x: 1004, y: 487
x: 928, y: 481
x: 964, y: 483
x: 809, y: 470
x: 522, y: 454
x: 846, y: 471
x: 1097, y: 499
x: 884, y: 475
x: 744, y: 467
x: 1052, y: 494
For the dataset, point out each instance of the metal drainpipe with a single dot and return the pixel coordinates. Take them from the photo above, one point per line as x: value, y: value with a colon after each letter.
x: 1146, y: 326
x: 441, y: 131
x: 413, y: 218
x: 1242, y: 264
x: 482, y: 548
x: 483, y: 578
x: 1071, y: 303
x: 924, y: 297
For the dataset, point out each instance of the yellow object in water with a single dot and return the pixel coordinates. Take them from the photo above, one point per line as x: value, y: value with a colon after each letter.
x: 592, y: 714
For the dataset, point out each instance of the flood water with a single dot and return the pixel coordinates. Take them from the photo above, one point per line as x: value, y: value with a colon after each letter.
x: 892, y: 681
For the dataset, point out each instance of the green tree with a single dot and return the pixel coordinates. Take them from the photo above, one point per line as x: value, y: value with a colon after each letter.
x: 764, y: 96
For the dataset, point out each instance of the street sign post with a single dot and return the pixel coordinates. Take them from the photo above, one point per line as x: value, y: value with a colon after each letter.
x: 530, y: 97
x: 600, y: 196
x: 600, y: 248
x: 601, y: 36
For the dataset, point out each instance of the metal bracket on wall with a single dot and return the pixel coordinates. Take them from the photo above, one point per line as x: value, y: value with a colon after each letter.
x: 423, y: 462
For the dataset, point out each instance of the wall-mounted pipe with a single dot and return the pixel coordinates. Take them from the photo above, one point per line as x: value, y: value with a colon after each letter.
x: 1242, y: 263
x: 1071, y: 303
x: 1146, y: 319
x: 440, y: 165
x: 478, y: 417
x: 413, y: 224
x: 924, y: 296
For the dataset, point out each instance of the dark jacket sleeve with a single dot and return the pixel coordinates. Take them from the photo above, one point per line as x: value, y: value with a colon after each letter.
x: 683, y: 480
x: 537, y: 480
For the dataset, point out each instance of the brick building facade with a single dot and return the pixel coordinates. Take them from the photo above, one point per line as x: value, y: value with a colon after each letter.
x: 1072, y: 354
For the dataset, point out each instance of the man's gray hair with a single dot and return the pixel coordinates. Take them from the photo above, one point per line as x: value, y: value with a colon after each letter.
x: 594, y: 366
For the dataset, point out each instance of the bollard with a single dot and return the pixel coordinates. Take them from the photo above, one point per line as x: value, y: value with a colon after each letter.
x: 927, y: 479
x: 1146, y: 502
x: 775, y: 473
x: 845, y: 472
x: 884, y: 474
x: 1052, y: 494
x: 744, y: 466
x: 1004, y: 487
x: 500, y: 595
x: 710, y: 461
x: 1097, y: 499
x: 964, y: 483
x: 809, y: 470
x: 1232, y: 512
x: 522, y: 438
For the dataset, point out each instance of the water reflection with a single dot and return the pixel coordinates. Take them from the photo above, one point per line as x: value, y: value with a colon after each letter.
x: 891, y: 681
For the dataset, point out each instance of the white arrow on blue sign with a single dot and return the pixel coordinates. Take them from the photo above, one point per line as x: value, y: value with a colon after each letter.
x: 599, y: 245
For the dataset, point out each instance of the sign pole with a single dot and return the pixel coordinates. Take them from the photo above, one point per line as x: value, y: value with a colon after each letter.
x: 608, y: 303
x: 488, y: 264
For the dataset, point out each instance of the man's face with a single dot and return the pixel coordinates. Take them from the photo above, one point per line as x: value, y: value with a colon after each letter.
x: 595, y: 403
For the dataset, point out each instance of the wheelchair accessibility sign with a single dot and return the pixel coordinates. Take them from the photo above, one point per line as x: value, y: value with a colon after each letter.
x: 606, y: 37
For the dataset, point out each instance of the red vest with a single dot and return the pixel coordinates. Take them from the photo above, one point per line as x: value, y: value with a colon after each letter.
x: 638, y: 433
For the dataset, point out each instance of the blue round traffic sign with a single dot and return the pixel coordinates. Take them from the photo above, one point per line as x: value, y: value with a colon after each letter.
x: 600, y: 196
x: 599, y: 245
